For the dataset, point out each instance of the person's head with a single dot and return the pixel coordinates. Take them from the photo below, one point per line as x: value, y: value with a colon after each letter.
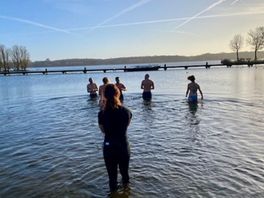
x: 112, y: 94
x: 117, y: 79
x: 90, y: 80
x: 191, y: 78
x: 105, y: 80
x: 147, y: 76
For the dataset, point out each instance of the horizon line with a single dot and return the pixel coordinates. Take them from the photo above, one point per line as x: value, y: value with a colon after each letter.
x: 137, y: 56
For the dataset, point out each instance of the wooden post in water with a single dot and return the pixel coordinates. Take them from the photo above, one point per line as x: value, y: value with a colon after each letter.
x: 207, y: 66
x: 165, y: 67
x: 45, y: 72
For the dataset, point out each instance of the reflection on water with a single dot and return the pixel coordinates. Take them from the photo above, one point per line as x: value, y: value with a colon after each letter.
x: 52, y: 147
x: 193, y: 107
x: 121, y: 193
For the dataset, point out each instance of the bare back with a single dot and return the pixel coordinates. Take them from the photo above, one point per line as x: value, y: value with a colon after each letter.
x: 147, y: 85
x: 193, y: 87
x: 101, y: 91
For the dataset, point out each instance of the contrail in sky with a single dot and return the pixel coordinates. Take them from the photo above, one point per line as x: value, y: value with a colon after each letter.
x: 234, y: 2
x: 171, y: 20
x: 200, y: 13
x: 126, y: 10
x: 34, y: 24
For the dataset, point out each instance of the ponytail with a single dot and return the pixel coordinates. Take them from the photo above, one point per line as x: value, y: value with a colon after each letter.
x: 112, y: 95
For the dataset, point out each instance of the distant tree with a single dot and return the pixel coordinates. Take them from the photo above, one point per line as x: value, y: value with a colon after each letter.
x: 236, y: 44
x: 20, y: 57
x: 25, y: 58
x: 256, y: 39
x: 4, y: 58
x: 15, y: 54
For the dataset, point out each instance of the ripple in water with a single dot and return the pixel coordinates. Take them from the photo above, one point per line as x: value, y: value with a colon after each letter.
x: 52, y: 148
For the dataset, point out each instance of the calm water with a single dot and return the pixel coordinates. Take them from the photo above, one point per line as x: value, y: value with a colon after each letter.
x: 50, y: 144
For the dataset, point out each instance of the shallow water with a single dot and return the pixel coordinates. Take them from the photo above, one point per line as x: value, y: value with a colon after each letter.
x: 50, y: 144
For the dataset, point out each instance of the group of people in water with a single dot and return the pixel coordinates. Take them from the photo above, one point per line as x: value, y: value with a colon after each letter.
x: 147, y: 85
x: 114, y: 119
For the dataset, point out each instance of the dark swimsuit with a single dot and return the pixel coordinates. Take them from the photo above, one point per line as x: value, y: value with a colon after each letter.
x: 147, y: 95
x: 93, y: 95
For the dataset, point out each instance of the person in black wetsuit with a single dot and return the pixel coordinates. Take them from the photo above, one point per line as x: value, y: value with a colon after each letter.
x: 113, y: 121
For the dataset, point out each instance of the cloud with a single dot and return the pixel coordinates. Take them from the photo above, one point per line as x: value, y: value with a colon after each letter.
x: 34, y: 24
x: 200, y: 13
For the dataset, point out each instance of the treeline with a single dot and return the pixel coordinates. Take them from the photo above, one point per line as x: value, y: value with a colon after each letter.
x: 109, y: 61
x: 255, y: 39
x: 16, y: 58
x: 142, y: 59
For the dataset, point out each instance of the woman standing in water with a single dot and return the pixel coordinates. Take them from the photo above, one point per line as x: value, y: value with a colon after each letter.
x: 113, y: 121
x: 192, y: 90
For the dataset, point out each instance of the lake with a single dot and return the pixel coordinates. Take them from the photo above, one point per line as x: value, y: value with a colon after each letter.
x: 51, y: 146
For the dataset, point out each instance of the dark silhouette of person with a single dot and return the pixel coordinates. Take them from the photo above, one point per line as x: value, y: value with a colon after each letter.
x: 101, y: 92
x: 191, y: 91
x: 121, y: 88
x: 147, y: 85
x: 92, y: 88
x: 113, y: 121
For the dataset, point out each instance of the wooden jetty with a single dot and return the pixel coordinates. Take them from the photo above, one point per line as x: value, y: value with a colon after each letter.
x: 142, y: 68
x: 63, y: 71
x: 165, y: 67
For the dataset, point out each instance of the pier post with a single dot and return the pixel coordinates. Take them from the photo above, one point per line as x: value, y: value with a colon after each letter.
x: 165, y: 67
x: 207, y: 66
x: 185, y: 67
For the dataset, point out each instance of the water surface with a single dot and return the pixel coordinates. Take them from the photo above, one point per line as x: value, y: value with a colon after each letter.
x: 50, y: 143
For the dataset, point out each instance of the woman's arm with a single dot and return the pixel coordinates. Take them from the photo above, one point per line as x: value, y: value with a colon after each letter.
x: 100, y: 122
x: 200, y: 92
x: 102, y: 128
x: 187, y: 91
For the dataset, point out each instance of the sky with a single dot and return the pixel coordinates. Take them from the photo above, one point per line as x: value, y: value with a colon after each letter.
x: 63, y: 29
